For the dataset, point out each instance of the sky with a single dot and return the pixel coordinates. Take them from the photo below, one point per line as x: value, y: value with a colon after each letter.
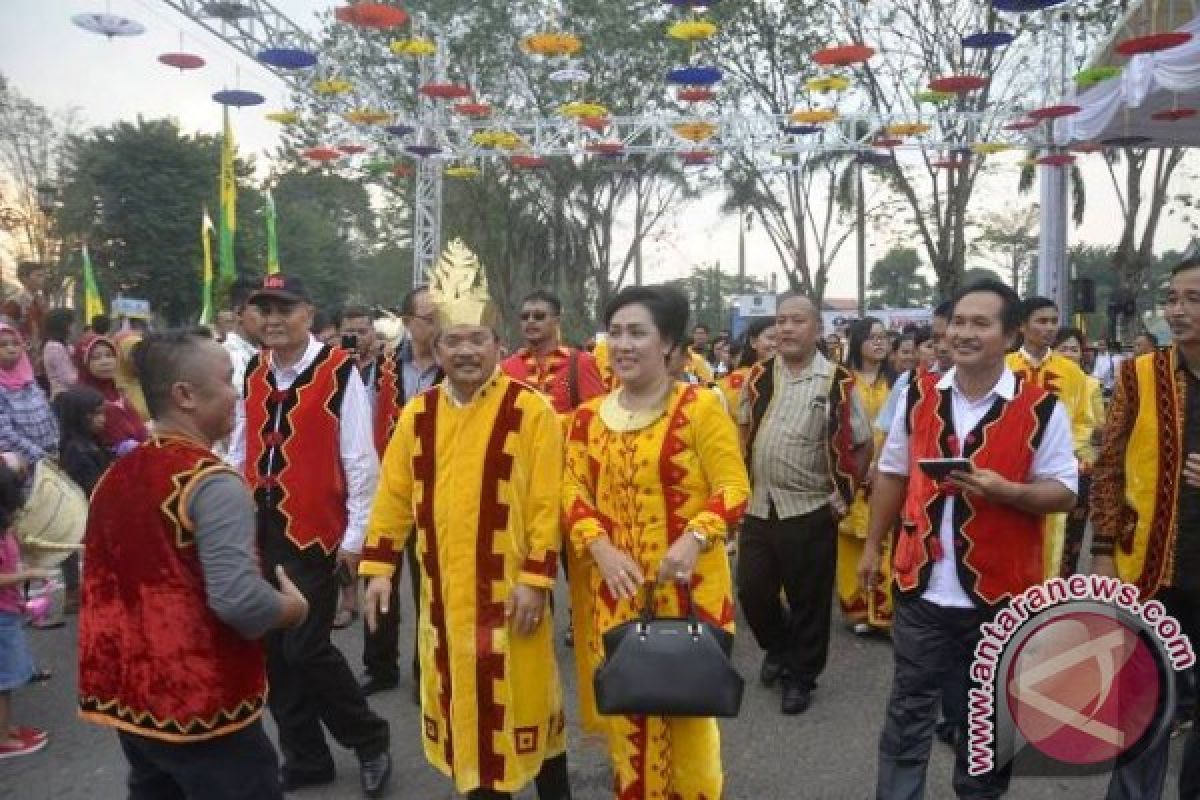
x: 59, y: 65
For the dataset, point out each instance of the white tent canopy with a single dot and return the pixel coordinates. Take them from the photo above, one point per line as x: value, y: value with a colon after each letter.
x: 1150, y: 83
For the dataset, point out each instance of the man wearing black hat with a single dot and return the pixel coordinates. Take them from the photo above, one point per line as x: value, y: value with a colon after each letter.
x: 306, y: 450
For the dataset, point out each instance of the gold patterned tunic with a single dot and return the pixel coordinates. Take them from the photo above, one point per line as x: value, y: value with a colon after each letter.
x: 644, y: 482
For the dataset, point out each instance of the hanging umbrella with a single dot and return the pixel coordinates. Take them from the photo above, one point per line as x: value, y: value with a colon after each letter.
x: 287, y: 57
x: 238, y: 98
x: 109, y: 25
x: 182, y: 61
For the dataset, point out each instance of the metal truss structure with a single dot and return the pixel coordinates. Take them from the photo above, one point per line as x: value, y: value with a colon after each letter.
x: 250, y: 26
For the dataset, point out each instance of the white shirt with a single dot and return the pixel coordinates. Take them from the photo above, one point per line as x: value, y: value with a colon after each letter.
x: 240, y: 352
x: 360, y: 464
x: 1105, y: 369
x: 1053, y: 460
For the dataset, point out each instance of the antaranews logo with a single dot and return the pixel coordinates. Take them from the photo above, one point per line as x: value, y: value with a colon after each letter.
x: 1071, y: 677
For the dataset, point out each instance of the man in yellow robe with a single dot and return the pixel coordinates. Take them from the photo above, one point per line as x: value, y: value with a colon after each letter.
x: 475, y: 466
x: 1036, y: 361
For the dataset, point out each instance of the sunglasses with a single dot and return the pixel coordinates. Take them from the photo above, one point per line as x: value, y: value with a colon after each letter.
x: 536, y: 316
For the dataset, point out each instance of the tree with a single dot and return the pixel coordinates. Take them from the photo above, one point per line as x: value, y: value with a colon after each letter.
x: 709, y: 289
x: 1142, y: 211
x: 326, y: 228
x: 897, y: 282
x: 1009, y: 240
x: 918, y: 41
x: 32, y: 141
x: 134, y: 193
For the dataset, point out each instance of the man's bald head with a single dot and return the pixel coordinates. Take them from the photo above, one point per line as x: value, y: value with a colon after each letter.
x: 170, y: 357
x: 797, y: 301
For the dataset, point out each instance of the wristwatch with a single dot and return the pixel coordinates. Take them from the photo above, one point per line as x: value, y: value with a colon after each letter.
x: 703, y: 540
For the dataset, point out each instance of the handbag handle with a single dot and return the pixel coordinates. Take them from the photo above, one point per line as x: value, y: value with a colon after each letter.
x: 647, y: 614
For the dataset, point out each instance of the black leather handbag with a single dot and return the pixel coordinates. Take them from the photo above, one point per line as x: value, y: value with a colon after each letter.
x: 668, y: 667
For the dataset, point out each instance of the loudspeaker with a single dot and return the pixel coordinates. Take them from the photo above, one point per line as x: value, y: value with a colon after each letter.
x: 1084, y: 299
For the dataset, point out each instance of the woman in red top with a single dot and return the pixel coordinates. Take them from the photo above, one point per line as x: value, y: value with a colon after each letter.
x: 123, y: 428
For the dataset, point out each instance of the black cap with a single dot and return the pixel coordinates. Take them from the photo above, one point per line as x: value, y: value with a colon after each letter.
x: 286, y: 287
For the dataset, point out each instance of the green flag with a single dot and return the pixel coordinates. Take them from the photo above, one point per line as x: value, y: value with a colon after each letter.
x: 206, y: 229
x: 93, y: 303
x: 272, y: 241
x: 228, y: 219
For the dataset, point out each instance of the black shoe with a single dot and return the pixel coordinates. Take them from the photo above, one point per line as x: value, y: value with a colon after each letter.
x: 374, y: 773
x: 291, y: 780
x: 796, y: 699
x: 771, y: 670
x: 370, y: 684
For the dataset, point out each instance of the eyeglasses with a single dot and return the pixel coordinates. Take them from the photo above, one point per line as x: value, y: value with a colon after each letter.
x: 536, y: 316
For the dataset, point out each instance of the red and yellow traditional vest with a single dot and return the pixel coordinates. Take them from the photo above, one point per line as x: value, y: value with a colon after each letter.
x: 1155, y: 397
x: 389, y: 400
x: 154, y: 660
x: 998, y: 548
x: 295, y: 467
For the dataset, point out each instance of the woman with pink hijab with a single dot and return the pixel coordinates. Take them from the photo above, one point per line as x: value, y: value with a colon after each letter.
x: 27, y: 425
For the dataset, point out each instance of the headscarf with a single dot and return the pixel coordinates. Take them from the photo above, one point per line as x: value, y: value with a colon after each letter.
x: 121, y: 420
x: 20, y: 374
x: 126, y: 375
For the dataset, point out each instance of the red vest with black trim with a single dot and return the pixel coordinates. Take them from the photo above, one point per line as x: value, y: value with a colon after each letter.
x: 293, y: 446
x: 997, y: 548
x: 390, y: 399
x: 154, y: 660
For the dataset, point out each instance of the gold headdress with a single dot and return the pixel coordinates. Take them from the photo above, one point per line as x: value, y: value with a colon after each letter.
x: 459, y: 290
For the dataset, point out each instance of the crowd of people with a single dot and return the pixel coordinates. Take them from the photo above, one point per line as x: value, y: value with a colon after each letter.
x: 256, y: 486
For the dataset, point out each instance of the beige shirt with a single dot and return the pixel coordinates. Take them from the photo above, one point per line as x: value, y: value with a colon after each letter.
x: 790, y: 464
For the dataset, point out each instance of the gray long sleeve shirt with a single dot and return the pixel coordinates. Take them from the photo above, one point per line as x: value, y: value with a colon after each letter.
x: 223, y: 513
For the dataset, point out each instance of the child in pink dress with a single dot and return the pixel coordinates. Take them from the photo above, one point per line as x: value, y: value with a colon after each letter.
x: 16, y: 667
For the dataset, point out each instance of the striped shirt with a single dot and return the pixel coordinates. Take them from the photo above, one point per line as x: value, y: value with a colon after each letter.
x: 790, y: 464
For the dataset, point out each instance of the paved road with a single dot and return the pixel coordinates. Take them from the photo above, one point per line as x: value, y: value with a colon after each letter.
x: 825, y: 754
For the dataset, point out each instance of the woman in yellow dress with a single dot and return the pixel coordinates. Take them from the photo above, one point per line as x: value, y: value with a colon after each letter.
x: 654, y: 481
x: 866, y: 355
x: 759, y: 345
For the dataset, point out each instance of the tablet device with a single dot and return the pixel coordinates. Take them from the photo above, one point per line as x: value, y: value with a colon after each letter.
x: 939, y: 468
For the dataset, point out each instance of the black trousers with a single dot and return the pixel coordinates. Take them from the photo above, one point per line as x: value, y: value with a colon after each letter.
x: 799, y: 555
x: 381, y: 647
x: 551, y: 783
x: 310, y: 682
x: 240, y: 766
x: 1147, y: 776
x: 931, y: 644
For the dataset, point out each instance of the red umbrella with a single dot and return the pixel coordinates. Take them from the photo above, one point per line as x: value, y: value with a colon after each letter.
x: 606, y: 148
x: 1152, y: 43
x: 958, y: 84
x: 182, y: 61
x: 444, y: 91
x: 696, y: 94
x: 371, y: 15
x: 1053, y: 112
x: 1174, y: 114
x: 473, y: 109
x: 1057, y: 160
x: 843, y: 55
x: 527, y: 162
x: 322, y: 154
